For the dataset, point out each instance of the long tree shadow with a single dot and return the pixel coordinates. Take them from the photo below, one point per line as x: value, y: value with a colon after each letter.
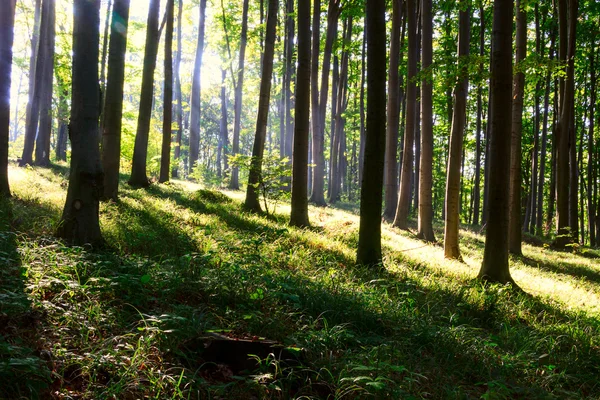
x: 563, y: 268
x: 23, y: 372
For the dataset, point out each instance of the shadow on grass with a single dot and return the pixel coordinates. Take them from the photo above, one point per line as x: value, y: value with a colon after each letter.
x: 23, y: 374
x: 563, y: 267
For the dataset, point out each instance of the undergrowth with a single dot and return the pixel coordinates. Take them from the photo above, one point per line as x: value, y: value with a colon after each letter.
x: 180, y: 262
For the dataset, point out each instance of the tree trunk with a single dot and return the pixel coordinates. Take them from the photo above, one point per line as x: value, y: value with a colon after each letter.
x: 252, y: 202
x: 223, y: 138
x: 477, y: 188
x: 451, y: 247
x: 570, y: 83
x: 178, y: 95
x: 289, y: 73
x: 515, y: 227
x: 495, y: 267
x: 530, y: 222
x: 165, y: 158
x: 140, y: 151
x: 80, y: 220
x: 299, y: 211
x: 590, y: 163
x: 318, y: 190
x: 332, y: 135
x: 36, y: 76
x: 425, y: 222
x: 196, y: 91
x: 105, y: 48
x: 234, y: 183
x: 369, y: 235
x: 7, y: 22
x: 113, y: 108
x: 402, y: 209
x: 363, y: 70
x: 390, y: 178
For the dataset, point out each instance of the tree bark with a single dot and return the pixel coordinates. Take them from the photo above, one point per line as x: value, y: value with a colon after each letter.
x: 495, y: 267
x: 451, y: 247
x: 113, y: 108
x: 402, y: 209
x: 80, y: 220
x: 289, y: 73
x: 515, y: 227
x: 390, y: 178
x: 299, y: 211
x: 477, y: 188
x: 425, y: 221
x: 591, y: 200
x: 369, y: 235
x: 252, y: 202
x: 165, y: 158
x: 196, y: 91
x: 140, y: 151
x: 178, y: 96
x: 7, y: 22
x: 234, y: 183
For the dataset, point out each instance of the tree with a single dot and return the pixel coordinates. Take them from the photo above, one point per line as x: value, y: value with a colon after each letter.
x: 178, y: 95
x: 402, y: 208
x: 196, y: 90
x: 254, y: 179
x: 514, y: 240
x: 393, y: 117
x: 495, y: 267
x: 7, y: 21
x: 425, y: 222
x: 451, y: 248
x: 140, y: 151
x: 80, y: 220
x: 237, y: 122
x: 113, y: 103
x: 165, y: 159
x: 299, y: 212
x: 369, y: 235
x: 42, y: 145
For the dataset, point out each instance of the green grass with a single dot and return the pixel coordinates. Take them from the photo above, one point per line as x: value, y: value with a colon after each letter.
x: 123, y: 321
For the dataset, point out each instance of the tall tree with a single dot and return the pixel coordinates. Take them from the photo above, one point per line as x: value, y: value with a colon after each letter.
x: 289, y: 74
x: 252, y: 202
x: 591, y: 200
x: 425, y: 222
x: 495, y: 267
x: 477, y: 188
x: 390, y: 178
x: 299, y: 212
x: 42, y: 145
x: 318, y: 190
x: 369, y: 235
x: 406, y: 175
x: 196, y: 90
x: 223, y: 139
x: 514, y: 240
x: 7, y: 22
x: 451, y: 248
x: 570, y: 120
x: 80, y: 220
x: 165, y: 158
x: 178, y: 95
x: 237, y: 122
x: 113, y: 103
x: 140, y: 151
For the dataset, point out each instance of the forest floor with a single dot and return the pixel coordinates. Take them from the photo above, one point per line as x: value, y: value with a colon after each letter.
x: 188, y: 285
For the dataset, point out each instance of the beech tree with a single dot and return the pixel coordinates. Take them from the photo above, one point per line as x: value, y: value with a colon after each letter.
x: 79, y: 223
x: 165, y: 159
x: 7, y: 21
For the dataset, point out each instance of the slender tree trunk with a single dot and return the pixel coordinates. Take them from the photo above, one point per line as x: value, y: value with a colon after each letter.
x: 451, y: 248
x: 237, y: 123
x: 35, y: 94
x: 425, y: 222
x: 299, y: 211
x: 252, y: 202
x: 196, y: 91
x: 290, y: 73
x: 333, y: 162
x: 165, y: 158
x: 530, y: 223
x: 495, y: 267
x: 223, y: 139
x: 63, y: 118
x: 477, y: 187
x: 590, y: 162
x: 318, y: 190
x: 80, y: 220
x: 402, y: 209
x: 140, y: 151
x: 105, y: 48
x: 393, y: 117
x: 113, y: 108
x: 7, y: 22
x: 42, y: 145
x: 570, y: 95
x: 178, y: 96
x: 363, y: 70
x: 515, y: 231
x: 369, y: 235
